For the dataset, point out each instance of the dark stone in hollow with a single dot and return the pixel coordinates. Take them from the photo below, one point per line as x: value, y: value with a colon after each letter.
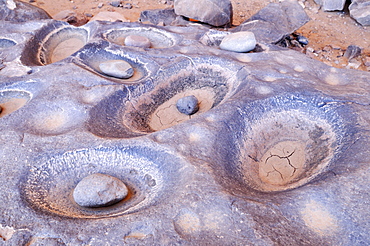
x: 302, y: 40
x: 187, y: 105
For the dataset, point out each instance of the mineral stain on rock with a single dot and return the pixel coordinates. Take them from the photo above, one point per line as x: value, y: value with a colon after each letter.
x: 99, y: 190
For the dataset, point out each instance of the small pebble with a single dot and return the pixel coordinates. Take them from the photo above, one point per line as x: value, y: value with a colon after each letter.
x: 137, y: 41
x: 127, y: 6
x: 302, y: 40
x: 99, y: 190
x: 239, y: 42
x: 352, y: 51
x: 117, y: 68
x: 188, y: 105
x: 100, y: 5
x: 88, y: 15
x: 115, y: 3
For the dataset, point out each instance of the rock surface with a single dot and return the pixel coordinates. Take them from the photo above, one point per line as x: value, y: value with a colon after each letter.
x: 137, y: 41
x: 239, y: 42
x: 331, y: 5
x: 99, y: 190
x: 156, y: 16
x: 360, y: 11
x: 275, y: 21
x: 117, y: 68
x: 213, y: 12
x: 280, y: 155
x: 18, y: 11
x: 188, y: 105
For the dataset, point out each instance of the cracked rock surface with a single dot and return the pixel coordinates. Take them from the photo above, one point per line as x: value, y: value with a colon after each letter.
x: 277, y: 153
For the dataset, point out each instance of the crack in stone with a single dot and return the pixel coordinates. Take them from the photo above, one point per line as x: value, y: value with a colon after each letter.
x: 281, y: 157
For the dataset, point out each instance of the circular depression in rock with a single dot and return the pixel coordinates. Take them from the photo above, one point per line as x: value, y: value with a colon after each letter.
x: 150, y: 175
x: 288, y: 143
x: 158, y: 38
x: 6, y: 43
x: 93, y: 55
x: 54, y: 43
x: 12, y: 100
x: 157, y: 110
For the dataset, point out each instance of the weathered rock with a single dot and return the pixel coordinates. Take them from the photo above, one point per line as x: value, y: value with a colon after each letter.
x: 137, y: 41
x: 213, y: 37
x: 360, y: 11
x: 213, y: 12
x: 18, y: 11
x: 156, y: 16
x: 278, y: 153
x: 117, y: 68
x: 239, y: 42
x: 275, y: 21
x: 331, y: 5
x: 188, y: 105
x: 99, y: 190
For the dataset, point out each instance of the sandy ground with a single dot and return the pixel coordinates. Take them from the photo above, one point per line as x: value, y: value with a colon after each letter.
x: 329, y: 33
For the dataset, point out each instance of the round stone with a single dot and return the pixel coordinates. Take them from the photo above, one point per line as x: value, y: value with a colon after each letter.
x: 99, y: 190
x: 137, y: 41
x: 117, y: 68
x: 188, y: 105
x: 239, y: 42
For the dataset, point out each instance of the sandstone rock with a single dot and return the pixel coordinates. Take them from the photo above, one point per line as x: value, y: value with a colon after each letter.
x: 117, y: 68
x: 239, y: 42
x: 360, y: 11
x: 213, y: 12
x: 137, y: 41
x: 331, y: 5
x: 275, y: 21
x: 99, y: 190
x: 188, y: 105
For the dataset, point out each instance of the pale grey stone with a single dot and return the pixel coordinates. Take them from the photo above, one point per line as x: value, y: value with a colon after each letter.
x: 117, y: 68
x: 239, y: 42
x: 137, y: 41
x: 99, y: 190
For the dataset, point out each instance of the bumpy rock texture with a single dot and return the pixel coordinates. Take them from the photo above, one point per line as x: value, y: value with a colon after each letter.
x: 277, y: 154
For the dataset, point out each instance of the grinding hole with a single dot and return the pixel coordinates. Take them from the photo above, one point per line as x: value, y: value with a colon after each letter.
x: 11, y: 101
x: 54, y: 43
x: 142, y: 37
x: 168, y: 114
x: 6, y: 43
